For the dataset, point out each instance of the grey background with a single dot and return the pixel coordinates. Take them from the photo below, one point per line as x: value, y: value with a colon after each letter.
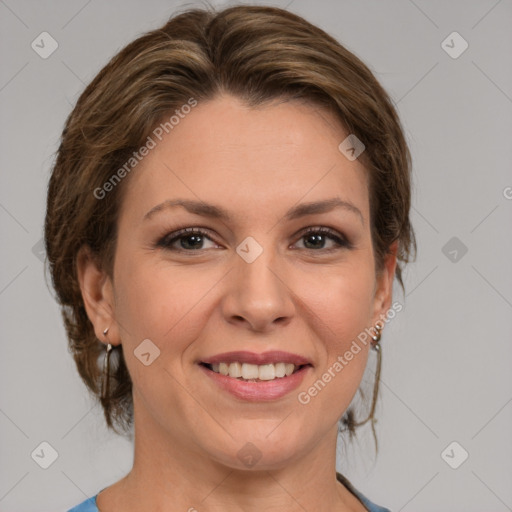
x: 447, y: 355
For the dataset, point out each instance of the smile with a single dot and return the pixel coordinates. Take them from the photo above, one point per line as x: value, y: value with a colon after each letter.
x: 256, y: 377
x: 253, y: 372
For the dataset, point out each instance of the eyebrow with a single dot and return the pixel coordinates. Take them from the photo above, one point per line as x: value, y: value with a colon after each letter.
x: 216, y: 212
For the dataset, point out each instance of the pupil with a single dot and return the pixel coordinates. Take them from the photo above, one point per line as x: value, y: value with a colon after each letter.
x: 197, y: 239
x: 317, y: 237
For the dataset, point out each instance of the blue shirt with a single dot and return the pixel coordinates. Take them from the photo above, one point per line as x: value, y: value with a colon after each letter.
x: 89, y: 505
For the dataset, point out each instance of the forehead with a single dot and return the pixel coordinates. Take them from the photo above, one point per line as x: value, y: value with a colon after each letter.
x: 253, y: 159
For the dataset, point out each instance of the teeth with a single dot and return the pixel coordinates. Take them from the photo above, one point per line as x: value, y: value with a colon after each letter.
x: 267, y: 372
x: 288, y: 368
x: 235, y: 370
x: 248, y: 371
x: 280, y: 369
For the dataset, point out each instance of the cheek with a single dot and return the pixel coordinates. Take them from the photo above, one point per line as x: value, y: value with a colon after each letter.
x: 342, y: 309
x: 342, y: 306
x: 160, y: 301
x: 342, y: 300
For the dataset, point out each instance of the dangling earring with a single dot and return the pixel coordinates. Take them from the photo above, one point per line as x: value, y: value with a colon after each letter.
x: 106, y: 369
x: 375, y: 346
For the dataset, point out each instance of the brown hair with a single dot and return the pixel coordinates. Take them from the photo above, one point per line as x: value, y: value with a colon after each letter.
x: 256, y: 53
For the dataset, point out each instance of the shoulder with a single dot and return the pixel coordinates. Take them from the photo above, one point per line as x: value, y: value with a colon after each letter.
x: 89, y: 505
x: 370, y: 506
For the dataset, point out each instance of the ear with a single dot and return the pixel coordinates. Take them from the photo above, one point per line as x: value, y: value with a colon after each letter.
x: 384, y: 285
x: 98, y: 296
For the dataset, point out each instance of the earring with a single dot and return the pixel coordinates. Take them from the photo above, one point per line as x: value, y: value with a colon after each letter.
x: 375, y: 346
x: 106, y: 369
x: 376, y: 337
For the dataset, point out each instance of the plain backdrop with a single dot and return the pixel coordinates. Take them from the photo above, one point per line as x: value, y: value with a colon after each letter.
x: 446, y: 391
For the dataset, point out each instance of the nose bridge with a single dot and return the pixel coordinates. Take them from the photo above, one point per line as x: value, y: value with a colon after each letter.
x: 257, y: 292
x: 258, y: 275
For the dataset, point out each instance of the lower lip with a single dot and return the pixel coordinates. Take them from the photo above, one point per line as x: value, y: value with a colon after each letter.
x: 258, y: 391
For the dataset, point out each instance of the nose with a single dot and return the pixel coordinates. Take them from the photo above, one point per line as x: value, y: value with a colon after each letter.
x: 258, y: 295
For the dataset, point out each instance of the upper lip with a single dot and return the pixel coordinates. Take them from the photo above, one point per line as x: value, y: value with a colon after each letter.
x: 244, y: 356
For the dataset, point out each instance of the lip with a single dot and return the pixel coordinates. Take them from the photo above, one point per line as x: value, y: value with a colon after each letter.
x: 244, y: 356
x: 263, y: 391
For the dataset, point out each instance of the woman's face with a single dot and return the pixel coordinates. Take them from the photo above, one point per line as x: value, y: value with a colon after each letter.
x: 251, y: 282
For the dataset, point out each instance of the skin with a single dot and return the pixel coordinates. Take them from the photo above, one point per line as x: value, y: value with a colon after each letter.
x: 296, y: 296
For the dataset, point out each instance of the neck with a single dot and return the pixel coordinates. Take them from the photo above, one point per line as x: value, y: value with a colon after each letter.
x: 170, y: 476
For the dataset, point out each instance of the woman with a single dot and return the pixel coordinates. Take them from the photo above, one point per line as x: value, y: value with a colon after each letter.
x: 226, y: 215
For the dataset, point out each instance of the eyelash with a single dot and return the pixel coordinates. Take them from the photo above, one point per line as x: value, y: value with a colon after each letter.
x: 168, y: 240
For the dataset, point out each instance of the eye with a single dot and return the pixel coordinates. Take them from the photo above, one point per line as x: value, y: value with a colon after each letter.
x: 191, y: 239
x: 315, y: 238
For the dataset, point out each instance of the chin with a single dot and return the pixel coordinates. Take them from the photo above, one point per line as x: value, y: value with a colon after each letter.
x: 254, y: 452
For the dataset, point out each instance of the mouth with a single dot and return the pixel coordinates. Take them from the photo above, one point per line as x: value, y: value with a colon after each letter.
x: 254, y: 373
x: 254, y: 367
x: 256, y: 377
